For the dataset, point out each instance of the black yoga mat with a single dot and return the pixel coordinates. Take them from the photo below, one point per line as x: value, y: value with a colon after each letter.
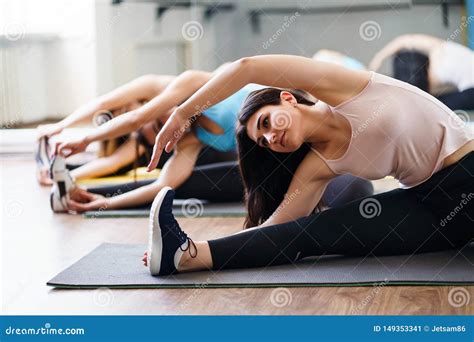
x: 120, y: 266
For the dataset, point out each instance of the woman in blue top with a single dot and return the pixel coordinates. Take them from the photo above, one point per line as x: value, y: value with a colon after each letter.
x: 214, y: 128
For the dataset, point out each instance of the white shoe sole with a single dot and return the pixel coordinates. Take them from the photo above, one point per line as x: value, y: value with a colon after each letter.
x: 54, y: 201
x: 155, y: 243
x: 61, y: 173
x: 63, y: 183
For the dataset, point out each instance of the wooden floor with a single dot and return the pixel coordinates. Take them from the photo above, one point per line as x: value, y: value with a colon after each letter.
x: 36, y: 245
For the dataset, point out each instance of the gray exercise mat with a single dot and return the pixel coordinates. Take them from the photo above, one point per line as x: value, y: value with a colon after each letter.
x: 192, y: 210
x: 120, y: 266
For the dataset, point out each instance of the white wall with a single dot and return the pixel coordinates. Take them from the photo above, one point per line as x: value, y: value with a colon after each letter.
x: 95, y: 46
x: 338, y: 31
x: 48, y: 65
x: 229, y: 34
x: 134, y: 42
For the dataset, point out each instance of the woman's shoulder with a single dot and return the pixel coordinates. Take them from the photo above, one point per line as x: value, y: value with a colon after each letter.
x: 342, y: 85
x: 314, y: 167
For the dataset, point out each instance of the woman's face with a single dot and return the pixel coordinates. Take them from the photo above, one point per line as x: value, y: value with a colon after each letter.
x: 277, y: 127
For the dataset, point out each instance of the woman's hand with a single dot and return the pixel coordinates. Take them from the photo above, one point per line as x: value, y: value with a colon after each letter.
x: 81, y: 200
x: 49, y: 130
x: 169, y: 135
x: 69, y: 148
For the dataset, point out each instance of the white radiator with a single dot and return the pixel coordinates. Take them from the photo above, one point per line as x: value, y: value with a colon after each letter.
x: 22, y: 80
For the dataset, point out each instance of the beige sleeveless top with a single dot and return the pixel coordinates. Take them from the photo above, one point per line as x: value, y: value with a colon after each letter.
x: 397, y: 130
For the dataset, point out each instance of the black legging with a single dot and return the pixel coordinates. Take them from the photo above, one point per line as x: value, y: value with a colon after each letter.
x: 217, y: 182
x: 435, y: 215
x: 221, y: 182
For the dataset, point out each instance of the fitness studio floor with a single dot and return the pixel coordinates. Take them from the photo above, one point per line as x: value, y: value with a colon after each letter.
x: 36, y: 245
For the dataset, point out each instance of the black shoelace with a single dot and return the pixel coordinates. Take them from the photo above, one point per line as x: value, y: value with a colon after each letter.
x: 183, y: 236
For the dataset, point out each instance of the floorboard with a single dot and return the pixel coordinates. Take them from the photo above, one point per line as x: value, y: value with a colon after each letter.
x: 37, y: 244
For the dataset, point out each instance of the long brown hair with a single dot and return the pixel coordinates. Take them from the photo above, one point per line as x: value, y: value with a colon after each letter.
x: 266, y: 174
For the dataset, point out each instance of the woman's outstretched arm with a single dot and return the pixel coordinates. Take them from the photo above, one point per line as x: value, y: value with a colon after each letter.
x: 142, y: 88
x: 174, y: 173
x: 124, y: 155
x: 328, y: 82
x: 178, y: 91
x: 305, y: 191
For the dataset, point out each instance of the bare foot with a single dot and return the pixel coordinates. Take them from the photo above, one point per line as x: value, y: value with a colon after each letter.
x: 43, y: 177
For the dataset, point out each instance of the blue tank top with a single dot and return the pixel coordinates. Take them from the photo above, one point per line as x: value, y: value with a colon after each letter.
x: 224, y: 114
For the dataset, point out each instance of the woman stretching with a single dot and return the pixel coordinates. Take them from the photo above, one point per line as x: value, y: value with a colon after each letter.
x: 365, y: 124
x: 212, y: 135
x: 128, y: 98
x: 135, y: 151
x: 432, y: 64
x: 210, y: 139
x: 123, y: 99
